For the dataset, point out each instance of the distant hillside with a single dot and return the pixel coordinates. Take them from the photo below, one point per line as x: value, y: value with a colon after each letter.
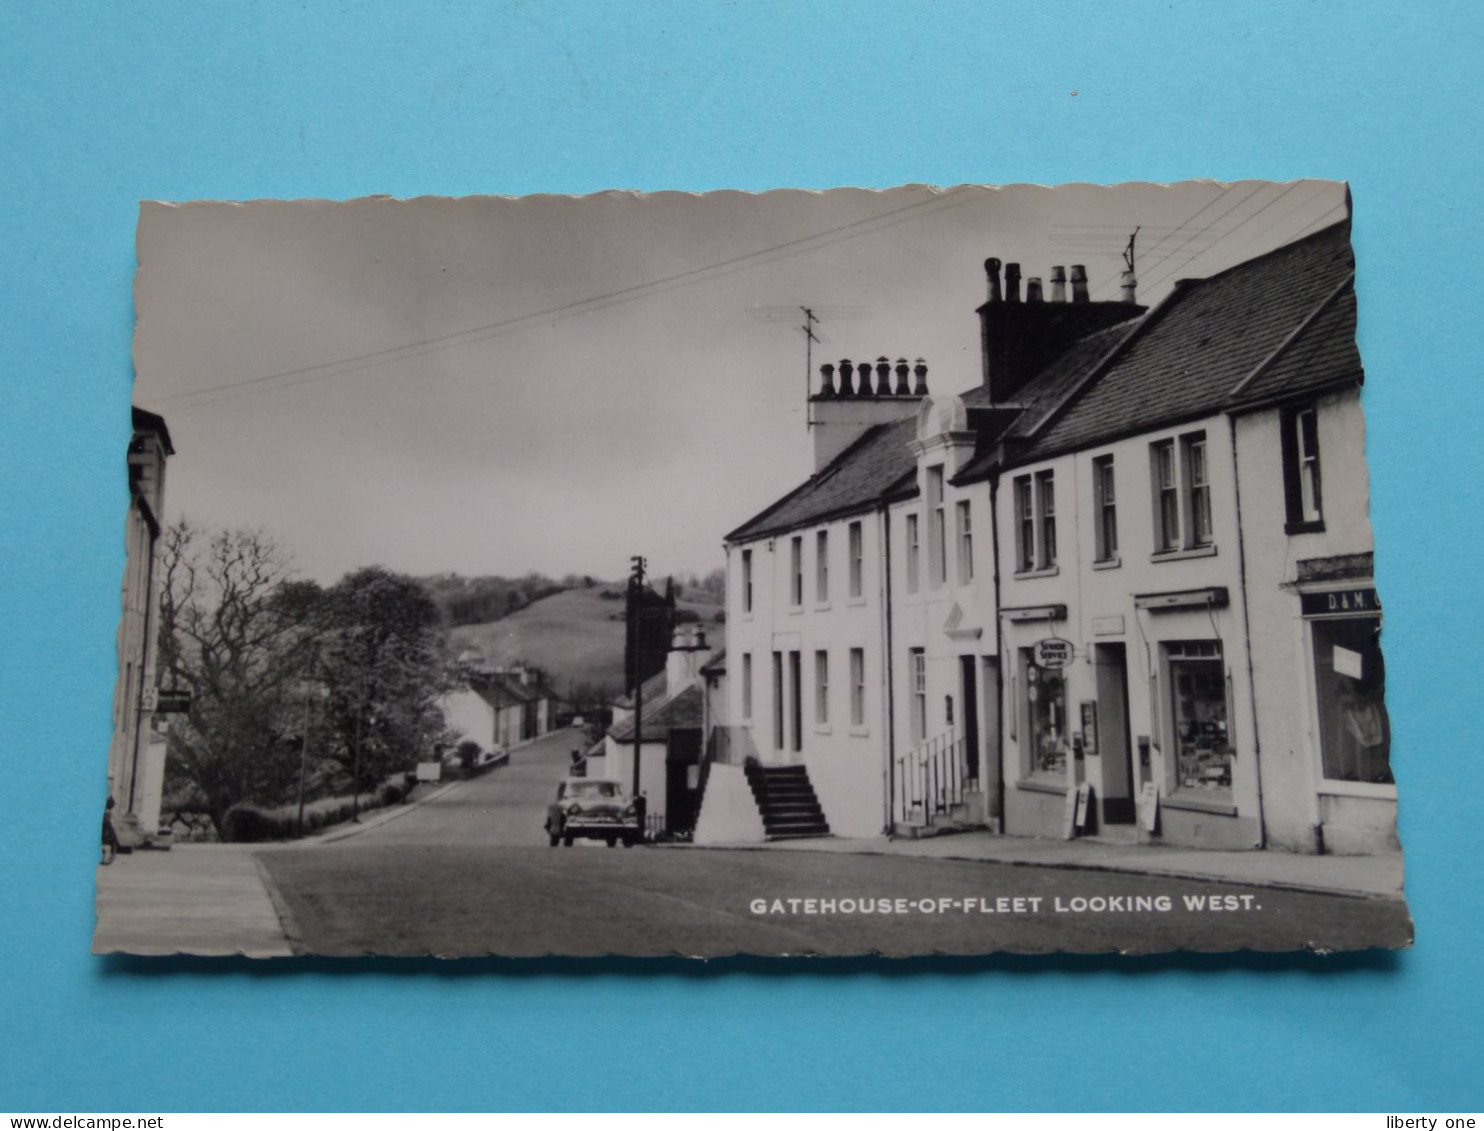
x: 575, y: 636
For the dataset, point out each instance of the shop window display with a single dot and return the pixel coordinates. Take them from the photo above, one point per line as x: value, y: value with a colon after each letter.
x: 1046, y: 716
x: 1198, y: 697
x: 1350, y: 681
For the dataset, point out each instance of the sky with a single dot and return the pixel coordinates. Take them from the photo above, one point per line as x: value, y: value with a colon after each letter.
x: 495, y: 385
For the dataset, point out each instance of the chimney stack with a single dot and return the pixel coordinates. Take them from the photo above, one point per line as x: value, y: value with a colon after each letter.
x: 1128, y: 286
x: 1058, y: 284
x: 1079, y: 283
x: 1012, y: 282
x: 846, y: 372
x: 992, y: 270
x: 827, y: 380
x: 883, y: 377
x: 1033, y: 289
x: 903, y: 369
x: 920, y: 370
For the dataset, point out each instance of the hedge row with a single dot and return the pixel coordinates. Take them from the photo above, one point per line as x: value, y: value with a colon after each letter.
x: 246, y: 823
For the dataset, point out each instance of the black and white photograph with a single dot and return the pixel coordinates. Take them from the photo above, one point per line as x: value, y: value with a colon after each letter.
x: 923, y: 571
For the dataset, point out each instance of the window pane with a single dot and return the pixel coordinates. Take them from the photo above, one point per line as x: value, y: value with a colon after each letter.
x: 1354, y: 731
x: 856, y: 566
x: 965, y: 543
x: 1025, y: 536
x: 912, y: 553
x: 822, y: 566
x: 1046, y: 491
x: 857, y: 686
x: 1046, y: 716
x: 918, y: 671
x: 1198, y: 704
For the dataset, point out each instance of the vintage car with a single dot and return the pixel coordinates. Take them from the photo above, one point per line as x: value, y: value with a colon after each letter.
x: 595, y: 809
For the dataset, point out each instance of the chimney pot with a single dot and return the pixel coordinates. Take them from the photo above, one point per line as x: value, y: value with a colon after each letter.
x: 1033, y: 289
x: 883, y: 377
x: 992, y: 270
x: 1129, y: 286
x: 1058, y: 284
x: 1079, y: 283
x: 1012, y: 282
x: 903, y: 369
x: 920, y: 370
x: 846, y: 372
x: 827, y: 380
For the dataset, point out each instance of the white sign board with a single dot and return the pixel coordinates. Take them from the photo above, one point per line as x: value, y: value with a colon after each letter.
x: 1084, y: 802
x: 430, y: 771
x: 1053, y: 653
x: 1149, y: 807
x: 1348, y: 663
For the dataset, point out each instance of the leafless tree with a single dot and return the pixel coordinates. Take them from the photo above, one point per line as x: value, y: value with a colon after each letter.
x: 238, y: 633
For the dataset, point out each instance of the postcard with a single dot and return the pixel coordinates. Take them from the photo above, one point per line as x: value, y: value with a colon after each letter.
x: 909, y: 572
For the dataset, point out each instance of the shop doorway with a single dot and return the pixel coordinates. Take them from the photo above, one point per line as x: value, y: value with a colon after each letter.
x: 1110, y: 662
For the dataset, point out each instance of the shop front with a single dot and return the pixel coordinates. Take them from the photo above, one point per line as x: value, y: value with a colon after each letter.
x: 1351, y: 737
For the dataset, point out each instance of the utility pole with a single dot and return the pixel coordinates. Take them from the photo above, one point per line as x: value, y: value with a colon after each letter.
x: 303, y: 758
x: 636, y: 583
x: 809, y: 340
x: 355, y: 784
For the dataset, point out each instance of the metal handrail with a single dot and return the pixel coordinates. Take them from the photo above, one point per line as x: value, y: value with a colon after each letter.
x: 933, y: 777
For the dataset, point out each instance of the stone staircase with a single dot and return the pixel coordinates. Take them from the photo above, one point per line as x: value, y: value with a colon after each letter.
x: 787, y: 802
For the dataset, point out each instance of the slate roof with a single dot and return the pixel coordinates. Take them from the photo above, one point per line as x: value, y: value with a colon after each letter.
x: 853, y: 481
x: 1322, y: 356
x: 505, y: 690
x: 1284, y: 323
x: 653, y: 688
x: 683, y: 712
x: 146, y: 421
x: 1191, y: 352
x: 1045, y: 391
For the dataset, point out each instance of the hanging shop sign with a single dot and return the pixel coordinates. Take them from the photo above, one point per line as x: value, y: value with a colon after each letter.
x: 167, y: 700
x: 1053, y: 653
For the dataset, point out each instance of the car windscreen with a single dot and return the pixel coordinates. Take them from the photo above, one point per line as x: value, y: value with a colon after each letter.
x: 592, y: 789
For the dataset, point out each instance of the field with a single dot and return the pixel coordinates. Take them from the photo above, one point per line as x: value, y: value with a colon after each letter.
x: 575, y: 636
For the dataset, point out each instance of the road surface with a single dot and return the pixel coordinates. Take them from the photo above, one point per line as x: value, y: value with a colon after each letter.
x: 470, y: 873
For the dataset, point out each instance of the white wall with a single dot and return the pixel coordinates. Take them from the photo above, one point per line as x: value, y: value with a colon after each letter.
x: 846, y: 762
x: 1355, y: 816
x: 1101, y: 609
x: 471, y: 715
x: 949, y: 618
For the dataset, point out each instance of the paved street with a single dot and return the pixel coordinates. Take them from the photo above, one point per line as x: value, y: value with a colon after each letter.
x: 469, y: 873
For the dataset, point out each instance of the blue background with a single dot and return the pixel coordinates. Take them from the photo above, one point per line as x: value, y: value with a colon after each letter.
x: 104, y: 104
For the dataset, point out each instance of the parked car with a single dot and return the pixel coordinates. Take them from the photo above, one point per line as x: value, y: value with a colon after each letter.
x: 595, y: 809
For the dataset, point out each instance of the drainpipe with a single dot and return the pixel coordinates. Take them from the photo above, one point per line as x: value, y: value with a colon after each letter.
x: 1262, y: 825
x: 891, y: 720
x: 999, y: 652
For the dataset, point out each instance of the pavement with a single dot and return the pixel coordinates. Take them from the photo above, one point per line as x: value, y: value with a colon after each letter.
x: 216, y: 899
x: 1378, y: 876
x: 193, y: 899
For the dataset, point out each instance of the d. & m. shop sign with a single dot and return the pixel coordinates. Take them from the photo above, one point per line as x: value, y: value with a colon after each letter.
x: 1339, y: 601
